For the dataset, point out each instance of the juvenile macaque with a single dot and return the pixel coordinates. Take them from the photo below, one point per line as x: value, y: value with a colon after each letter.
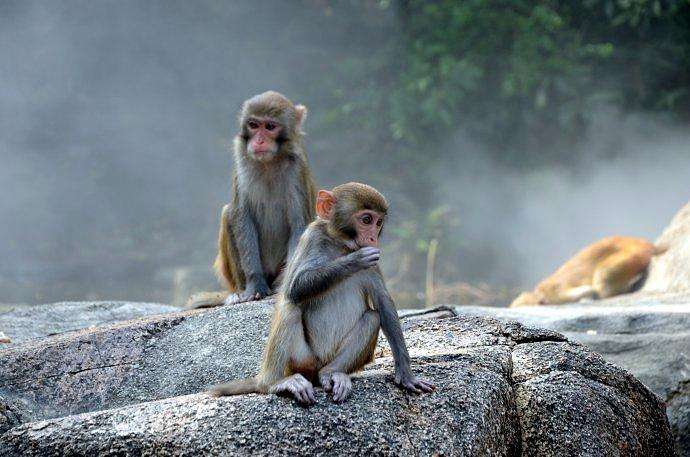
x: 609, y: 267
x: 332, y: 304
x: 272, y: 202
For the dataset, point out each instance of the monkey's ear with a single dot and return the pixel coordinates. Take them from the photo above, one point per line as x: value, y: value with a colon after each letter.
x: 301, y: 112
x: 325, y: 201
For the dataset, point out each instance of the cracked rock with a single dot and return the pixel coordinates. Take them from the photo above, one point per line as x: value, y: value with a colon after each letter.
x: 502, y: 389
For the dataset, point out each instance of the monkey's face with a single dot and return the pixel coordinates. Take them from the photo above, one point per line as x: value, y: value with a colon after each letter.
x: 367, y: 225
x: 262, y: 136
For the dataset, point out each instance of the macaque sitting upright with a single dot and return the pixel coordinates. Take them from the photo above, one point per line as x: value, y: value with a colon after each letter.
x: 331, y: 305
x: 273, y: 197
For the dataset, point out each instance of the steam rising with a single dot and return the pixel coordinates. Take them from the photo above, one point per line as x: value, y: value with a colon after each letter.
x: 115, y: 124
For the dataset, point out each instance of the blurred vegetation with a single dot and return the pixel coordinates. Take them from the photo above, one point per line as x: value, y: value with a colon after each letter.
x: 120, y: 115
x: 519, y: 77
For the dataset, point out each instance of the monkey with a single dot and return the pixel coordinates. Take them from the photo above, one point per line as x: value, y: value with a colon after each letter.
x: 331, y: 305
x: 611, y: 266
x: 273, y: 200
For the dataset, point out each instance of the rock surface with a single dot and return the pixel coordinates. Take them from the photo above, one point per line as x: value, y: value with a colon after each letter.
x: 503, y: 389
x: 648, y: 335
x: 24, y: 322
x: 670, y: 272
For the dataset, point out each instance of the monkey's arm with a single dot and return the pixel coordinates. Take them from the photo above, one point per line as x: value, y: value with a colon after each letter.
x: 244, y: 230
x: 298, y: 222
x: 318, y: 274
x: 390, y: 324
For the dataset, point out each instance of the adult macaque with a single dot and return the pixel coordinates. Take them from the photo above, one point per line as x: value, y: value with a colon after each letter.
x: 272, y: 203
x: 609, y: 267
x: 331, y: 305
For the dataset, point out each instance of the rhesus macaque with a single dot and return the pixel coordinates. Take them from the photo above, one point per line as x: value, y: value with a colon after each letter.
x: 272, y: 203
x: 331, y: 305
x: 609, y: 267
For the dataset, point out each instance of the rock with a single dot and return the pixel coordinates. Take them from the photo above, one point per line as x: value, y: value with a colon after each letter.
x: 670, y: 272
x: 647, y: 334
x: 502, y: 389
x: 22, y: 323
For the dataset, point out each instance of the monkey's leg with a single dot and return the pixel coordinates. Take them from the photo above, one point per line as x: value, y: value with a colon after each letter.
x: 287, y: 353
x: 224, y: 259
x: 579, y: 293
x: 618, y: 274
x: 356, y: 350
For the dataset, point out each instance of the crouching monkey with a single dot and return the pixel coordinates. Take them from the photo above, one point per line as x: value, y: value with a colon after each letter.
x: 332, y: 303
x: 612, y: 266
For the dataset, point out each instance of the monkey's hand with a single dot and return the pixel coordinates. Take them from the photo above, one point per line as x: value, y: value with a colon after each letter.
x: 408, y: 381
x: 363, y: 258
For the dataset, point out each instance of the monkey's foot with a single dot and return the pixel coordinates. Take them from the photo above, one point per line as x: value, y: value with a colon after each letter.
x: 413, y: 383
x: 296, y: 386
x: 338, y: 383
x: 241, y: 297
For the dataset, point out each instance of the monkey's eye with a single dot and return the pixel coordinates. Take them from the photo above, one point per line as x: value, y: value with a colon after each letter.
x: 366, y: 219
x: 379, y: 223
x: 253, y: 124
x: 270, y: 126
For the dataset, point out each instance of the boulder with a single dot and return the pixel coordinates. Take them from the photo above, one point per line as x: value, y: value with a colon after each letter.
x: 670, y: 272
x: 136, y: 387
x: 22, y: 323
x: 647, y: 334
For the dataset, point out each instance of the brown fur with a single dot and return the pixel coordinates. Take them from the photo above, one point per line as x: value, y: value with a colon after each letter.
x: 609, y: 267
x: 331, y: 306
x: 293, y: 180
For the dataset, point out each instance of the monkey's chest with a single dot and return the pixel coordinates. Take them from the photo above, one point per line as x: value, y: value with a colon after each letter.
x: 336, y: 313
x: 273, y: 232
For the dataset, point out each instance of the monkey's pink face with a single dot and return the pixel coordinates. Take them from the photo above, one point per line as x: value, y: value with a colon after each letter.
x: 263, y: 138
x: 368, y: 224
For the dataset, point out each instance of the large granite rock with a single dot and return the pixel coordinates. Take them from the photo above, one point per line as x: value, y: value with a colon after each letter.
x: 647, y: 334
x: 25, y: 322
x: 670, y: 272
x: 503, y: 389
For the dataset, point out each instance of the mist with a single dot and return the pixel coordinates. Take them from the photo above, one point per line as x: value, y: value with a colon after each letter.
x: 632, y: 176
x: 115, y: 125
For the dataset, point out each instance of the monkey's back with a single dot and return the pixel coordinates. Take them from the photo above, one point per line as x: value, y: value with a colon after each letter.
x: 580, y: 269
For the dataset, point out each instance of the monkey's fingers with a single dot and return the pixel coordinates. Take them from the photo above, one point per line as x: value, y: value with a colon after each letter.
x: 342, y: 386
x: 326, y: 382
x: 303, y: 390
x: 411, y: 387
x: 311, y: 395
x: 425, y: 385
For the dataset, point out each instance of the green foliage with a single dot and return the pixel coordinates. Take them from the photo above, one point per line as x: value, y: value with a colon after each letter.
x: 518, y: 77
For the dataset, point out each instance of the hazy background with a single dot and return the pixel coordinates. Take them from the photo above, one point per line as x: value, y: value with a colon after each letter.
x: 512, y: 133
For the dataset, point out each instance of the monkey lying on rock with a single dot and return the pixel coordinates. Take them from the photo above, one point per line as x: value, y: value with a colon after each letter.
x: 609, y: 267
x: 331, y: 305
x: 272, y: 202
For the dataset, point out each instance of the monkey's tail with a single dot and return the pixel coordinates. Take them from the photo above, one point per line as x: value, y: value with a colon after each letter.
x: 206, y: 300
x: 222, y: 263
x: 237, y: 387
x: 660, y: 248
